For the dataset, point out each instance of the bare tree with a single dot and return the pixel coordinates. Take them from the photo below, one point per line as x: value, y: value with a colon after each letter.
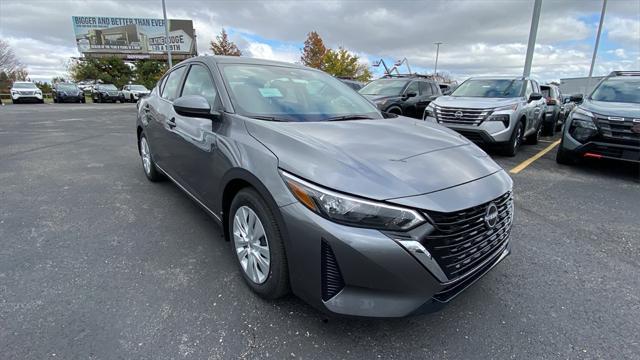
x: 8, y: 61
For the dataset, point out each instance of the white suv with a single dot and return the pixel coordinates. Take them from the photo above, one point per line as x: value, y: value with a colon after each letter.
x: 25, y: 91
x: 133, y: 92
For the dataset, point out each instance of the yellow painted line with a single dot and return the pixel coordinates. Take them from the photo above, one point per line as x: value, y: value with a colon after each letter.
x: 535, y: 157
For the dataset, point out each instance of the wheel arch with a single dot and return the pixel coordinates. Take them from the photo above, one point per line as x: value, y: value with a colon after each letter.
x: 237, y: 179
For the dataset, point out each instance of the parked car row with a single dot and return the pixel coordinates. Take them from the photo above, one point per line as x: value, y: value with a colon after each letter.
x: 26, y: 91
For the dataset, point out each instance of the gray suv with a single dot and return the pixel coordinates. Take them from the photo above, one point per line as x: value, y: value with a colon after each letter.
x: 319, y: 194
x: 493, y: 111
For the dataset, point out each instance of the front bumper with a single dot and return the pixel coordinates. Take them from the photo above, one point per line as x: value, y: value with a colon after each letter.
x: 365, y: 272
x: 23, y: 97
x: 487, y: 133
x: 70, y: 98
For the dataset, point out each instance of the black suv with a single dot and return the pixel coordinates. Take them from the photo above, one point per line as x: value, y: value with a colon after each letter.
x: 406, y: 95
x: 105, y: 93
x: 605, y: 125
x: 67, y: 92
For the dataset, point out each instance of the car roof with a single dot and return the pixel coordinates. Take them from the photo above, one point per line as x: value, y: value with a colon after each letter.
x: 501, y: 77
x: 23, y: 82
x: 219, y: 59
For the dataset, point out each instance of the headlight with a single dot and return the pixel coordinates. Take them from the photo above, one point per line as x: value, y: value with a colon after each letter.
x: 349, y: 210
x: 430, y: 111
x: 582, y: 127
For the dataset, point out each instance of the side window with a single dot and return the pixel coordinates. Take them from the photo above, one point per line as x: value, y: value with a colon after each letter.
x: 199, y: 82
x: 413, y: 87
x: 172, y: 84
x: 528, y: 90
x: 425, y: 89
x: 435, y: 88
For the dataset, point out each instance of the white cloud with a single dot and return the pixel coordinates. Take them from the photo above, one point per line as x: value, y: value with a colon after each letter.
x: 266, y: 51
x: 625, y: 30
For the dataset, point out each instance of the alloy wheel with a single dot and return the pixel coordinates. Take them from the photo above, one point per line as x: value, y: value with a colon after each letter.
x: 145, y: 154
x: 516, y: 144
x: 252, y: 247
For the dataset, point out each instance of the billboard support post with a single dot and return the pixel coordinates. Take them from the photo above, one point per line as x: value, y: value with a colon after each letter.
x: 533, y: 32
x: 166, y: 34
x: 595, y: 48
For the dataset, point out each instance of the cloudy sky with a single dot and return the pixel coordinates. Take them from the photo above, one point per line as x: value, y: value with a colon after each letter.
x: 479, y: 36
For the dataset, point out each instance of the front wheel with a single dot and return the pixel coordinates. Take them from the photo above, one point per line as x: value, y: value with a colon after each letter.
x: 257, y: 245
x: 564, y: 157
x: 148, y: 164
x: 512, y: 147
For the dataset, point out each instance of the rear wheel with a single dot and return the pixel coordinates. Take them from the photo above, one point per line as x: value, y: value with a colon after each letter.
x: 131, y: 97
x: 395, y: 111
x: 148, y: 164
x: 257, y: 245
x: 511, y: 149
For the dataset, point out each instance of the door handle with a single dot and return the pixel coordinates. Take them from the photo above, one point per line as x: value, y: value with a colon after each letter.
x: 172, y: 123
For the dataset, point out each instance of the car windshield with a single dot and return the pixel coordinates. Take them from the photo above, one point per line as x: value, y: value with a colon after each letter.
x: 24, y: 85
x: 67, y: 87
x: 545, y: 91
x: 108, y: 87
x: 384, y: 87
x: 292, y: 94
x: 618, y: 90
x: 138, y: 88
x: 489, y: 88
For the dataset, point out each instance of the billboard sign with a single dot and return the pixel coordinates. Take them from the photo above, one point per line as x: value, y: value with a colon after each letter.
x: 132, y: 37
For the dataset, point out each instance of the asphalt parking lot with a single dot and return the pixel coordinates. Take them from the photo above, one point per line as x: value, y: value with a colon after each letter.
x: 98, y: 263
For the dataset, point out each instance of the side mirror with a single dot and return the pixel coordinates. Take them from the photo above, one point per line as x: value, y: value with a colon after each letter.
x: 577, y: 98
x: 411, y: 94
x: 535, y: 96
x: 194, y: 106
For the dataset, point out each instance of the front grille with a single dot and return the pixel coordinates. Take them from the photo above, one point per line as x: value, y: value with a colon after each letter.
x: 617, y: 129
x: 461, y: 115
x: 462, y: 240
x: 332, y: 281
x: 26, y: 92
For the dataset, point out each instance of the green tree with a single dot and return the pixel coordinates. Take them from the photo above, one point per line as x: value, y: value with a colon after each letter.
x: 341, y: 63
x: 148, y: 72
x: 223, y: 46
x: 111, y: 70
x: 314, y: 51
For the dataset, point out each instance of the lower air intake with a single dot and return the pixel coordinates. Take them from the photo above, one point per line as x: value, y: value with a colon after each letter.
x: 332, y: 281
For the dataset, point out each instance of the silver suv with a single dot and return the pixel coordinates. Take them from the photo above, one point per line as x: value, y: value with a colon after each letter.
x: 494, y: 111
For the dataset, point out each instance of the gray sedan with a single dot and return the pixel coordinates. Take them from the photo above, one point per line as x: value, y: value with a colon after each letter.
x: 318, y: 193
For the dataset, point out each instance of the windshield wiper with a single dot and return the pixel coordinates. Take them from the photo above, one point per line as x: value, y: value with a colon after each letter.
x: 349, y: 117
x: 268, y: 118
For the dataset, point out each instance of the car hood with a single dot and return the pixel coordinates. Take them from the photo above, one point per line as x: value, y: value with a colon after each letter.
x: 612, y: 108
x: 474, y: 102
x: 377, y: 159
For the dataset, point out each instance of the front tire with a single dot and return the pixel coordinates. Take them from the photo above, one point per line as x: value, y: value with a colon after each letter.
x: 148, y: 165
x: 564, y: 157
x: 257, y: 246
x: 549, y: 127
x: 512, y: 147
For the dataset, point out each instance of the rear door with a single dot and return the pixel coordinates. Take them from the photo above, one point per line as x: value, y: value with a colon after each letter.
x: 425, y: 97
x: 162, y: 127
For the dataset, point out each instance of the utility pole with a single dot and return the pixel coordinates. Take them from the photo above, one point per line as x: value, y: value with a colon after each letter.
x: 595, y: 49
x: 533, y: 32
x: 435, y: 71
x: 166, y: 34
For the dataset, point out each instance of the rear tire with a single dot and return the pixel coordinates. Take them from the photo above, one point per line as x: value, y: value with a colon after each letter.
x: 512, y: 147
x: 269, y: 278
x: 148, y: 165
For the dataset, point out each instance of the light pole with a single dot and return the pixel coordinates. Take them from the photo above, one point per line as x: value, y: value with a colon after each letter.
x: 435, y: 70
x: 533, y: 32
x: 595, y: 49
x: 166, y: 34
